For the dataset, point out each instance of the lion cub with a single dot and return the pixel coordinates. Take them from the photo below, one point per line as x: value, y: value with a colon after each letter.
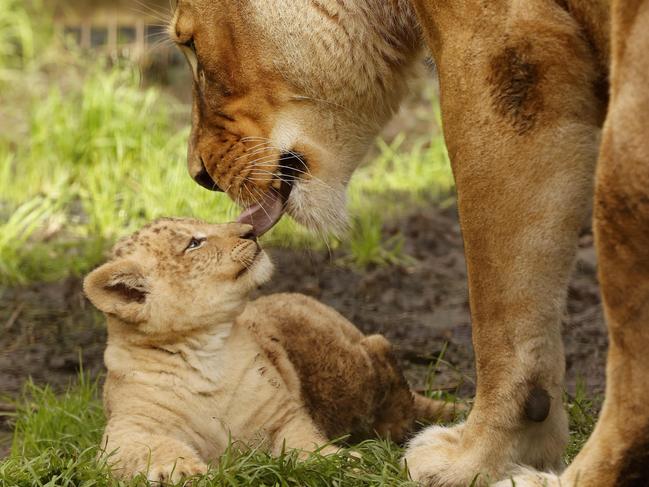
x: 192, y: 363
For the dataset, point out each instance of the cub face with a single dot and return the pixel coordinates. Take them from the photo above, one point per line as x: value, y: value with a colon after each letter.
x: 289, y: 94
x: 178, y: 275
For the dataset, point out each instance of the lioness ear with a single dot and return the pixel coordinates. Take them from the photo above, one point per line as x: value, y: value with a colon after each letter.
x: 119, y: 288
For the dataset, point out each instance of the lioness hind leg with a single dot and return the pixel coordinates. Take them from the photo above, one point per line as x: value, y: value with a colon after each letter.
x: 522, y: 134
x: 617, y: 453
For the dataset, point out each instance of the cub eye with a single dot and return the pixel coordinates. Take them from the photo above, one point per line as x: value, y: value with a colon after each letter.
x: 195, y: 243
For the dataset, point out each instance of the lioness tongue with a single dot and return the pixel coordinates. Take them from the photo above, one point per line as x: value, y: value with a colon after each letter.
x: 262, y: 216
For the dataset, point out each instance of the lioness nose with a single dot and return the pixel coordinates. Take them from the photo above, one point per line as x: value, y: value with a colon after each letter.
x: 204, y: 179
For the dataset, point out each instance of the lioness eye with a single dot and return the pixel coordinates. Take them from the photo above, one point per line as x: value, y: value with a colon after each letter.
x: 195, y: 243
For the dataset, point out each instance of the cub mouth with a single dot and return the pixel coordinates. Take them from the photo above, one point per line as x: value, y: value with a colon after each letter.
x: 263, y: 215
x: 253, y: 261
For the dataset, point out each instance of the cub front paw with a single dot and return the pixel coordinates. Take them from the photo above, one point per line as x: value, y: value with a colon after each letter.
x: 176, y: 470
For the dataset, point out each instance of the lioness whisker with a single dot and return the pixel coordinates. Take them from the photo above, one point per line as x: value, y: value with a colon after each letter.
x: 307, y: 172
x: 264, y: 159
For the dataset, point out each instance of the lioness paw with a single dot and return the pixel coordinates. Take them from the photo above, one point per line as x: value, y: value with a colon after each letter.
x: 437, y: 457
x: 530, y: 478
x: 175, y: 471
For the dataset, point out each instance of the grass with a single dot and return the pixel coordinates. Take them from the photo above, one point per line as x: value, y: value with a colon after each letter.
x: 56, y: 442
x: 582, y: 414
x: 87, y: 155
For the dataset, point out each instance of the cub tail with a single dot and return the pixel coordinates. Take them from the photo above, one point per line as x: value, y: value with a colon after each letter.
x: 435, y: 410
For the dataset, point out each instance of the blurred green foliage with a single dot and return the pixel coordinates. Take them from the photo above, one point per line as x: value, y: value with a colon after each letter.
x: 88, y: 155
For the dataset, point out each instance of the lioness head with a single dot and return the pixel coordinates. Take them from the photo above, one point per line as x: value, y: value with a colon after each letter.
x: 179, y: 275
x: 288, y: 95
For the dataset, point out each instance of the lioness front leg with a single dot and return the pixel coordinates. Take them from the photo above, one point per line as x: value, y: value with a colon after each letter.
x: 160, y: 458
x: 522, y: 132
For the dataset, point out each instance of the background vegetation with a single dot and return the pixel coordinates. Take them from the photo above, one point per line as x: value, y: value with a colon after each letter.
x: 94, y: 155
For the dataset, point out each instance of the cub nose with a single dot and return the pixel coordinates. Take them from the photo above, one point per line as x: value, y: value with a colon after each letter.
x: 248, y: 233
x: 237, y: 231
x: 204, y: 179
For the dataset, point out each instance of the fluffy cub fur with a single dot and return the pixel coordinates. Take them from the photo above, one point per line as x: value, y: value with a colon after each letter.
x: 191, y: 363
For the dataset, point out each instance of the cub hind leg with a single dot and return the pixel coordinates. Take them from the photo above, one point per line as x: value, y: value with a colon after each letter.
x: 399, y: 408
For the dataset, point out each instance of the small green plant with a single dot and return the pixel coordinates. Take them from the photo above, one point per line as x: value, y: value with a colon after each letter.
x: 367, y: 246
x: 19, y: 40
x: 391, y: 185
x: 582, y: 415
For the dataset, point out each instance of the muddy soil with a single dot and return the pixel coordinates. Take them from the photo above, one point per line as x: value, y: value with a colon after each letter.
x: 421, y: 306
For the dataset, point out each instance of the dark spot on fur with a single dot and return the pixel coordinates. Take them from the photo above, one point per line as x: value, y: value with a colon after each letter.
x: 274, y: 339
x: 261, y: 370
x: 634, y: 471
x: 514, y: 80
x: 537, y: 405
x: 272, y: 356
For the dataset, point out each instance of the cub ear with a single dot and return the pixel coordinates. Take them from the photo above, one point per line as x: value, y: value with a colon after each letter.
x: 119, y: 288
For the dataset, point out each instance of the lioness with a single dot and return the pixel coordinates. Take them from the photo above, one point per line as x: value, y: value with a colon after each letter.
x: 289, y: 94
x: 191, y: 363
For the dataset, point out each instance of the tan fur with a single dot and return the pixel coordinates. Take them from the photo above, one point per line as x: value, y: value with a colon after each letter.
x: 617, y: 454
x: 524, y: 92
x: 259, y: 92
x: 191, y: 364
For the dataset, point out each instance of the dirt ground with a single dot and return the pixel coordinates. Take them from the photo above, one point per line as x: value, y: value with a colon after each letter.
x: 421, y: 307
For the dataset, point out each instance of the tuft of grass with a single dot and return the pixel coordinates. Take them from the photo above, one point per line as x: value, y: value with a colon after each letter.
x: 57, y: 439
x: 582, y: 416
x: 367, y: 245
x: 69, y: 423
x: 19, y: 39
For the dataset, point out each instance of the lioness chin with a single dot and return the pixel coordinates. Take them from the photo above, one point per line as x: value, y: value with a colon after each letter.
x: 192, y: 364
